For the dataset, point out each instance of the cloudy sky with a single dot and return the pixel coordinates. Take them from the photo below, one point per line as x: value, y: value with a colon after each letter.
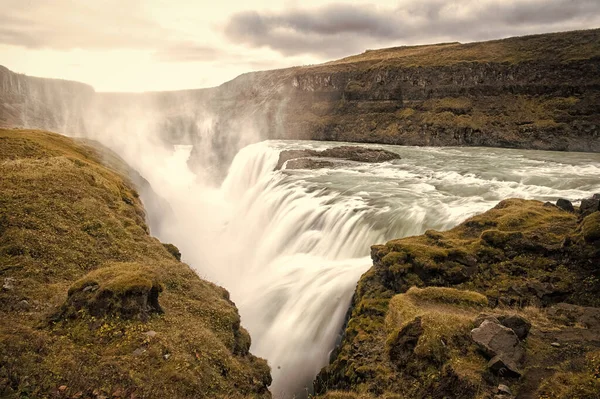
x: 139, y: 45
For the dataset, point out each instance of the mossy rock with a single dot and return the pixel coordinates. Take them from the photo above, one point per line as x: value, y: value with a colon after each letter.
x: 591, y: 227
x: 173, y: 250
x: 127, y: 290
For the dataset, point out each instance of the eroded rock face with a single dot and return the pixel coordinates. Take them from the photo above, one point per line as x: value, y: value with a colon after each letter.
x: 303, y: 158
x: 404, y: 342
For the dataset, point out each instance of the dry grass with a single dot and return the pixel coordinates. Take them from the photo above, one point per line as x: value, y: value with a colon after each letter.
x: 561, y: 47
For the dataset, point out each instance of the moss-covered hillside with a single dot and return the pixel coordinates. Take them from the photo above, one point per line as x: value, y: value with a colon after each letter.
x: 92, y: 306
x: 525, y: 274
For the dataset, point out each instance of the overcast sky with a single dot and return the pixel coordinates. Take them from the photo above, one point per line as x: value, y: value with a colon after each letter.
x: 140, y: 45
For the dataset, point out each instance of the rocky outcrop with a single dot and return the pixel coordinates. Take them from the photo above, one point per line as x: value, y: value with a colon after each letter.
x: 533, y: 328
x: 302, y: 159
x: 93, y: 306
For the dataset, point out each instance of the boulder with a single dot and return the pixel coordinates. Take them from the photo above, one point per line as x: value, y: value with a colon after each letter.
x: 518, y: 324
x: 483, y: 317
x: 127, y: 290
x: 504, y: 367
x: 308, y: 163
x: 495, y: 339
x: 345, y: 152
x: 589, y: 206
x: 565, y: 205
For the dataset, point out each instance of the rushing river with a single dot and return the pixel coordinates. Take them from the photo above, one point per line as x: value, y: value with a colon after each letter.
x: 291, y: 245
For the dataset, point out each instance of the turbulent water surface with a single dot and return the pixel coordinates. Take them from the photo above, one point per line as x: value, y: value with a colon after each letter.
x: 291, y: 245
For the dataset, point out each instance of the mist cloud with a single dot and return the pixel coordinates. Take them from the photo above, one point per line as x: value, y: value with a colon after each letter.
x: 339, y: 29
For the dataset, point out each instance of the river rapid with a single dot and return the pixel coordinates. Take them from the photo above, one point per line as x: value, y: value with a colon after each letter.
x: 290, y: 245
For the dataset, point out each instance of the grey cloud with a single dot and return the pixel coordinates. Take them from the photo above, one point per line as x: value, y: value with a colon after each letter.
x: 65, y: 24
x: 342, y: 29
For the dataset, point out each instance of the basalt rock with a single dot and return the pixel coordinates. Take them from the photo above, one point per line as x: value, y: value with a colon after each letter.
x: 497, y: 340
x: 304, y: 158
x: 565, y: 205
x: 518, y: 324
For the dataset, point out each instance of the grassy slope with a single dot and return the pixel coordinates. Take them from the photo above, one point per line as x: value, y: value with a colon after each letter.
x: 523, y: 256
x: 562, y: 47
x: 66, y: 223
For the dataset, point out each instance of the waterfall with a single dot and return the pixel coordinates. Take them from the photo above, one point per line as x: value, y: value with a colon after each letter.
x: 291, y: 245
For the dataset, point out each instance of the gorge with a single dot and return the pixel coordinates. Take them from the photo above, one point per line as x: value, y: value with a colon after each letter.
x: 290, y: 244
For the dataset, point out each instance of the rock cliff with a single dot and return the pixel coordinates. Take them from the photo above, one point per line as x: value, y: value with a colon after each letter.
x: 509, y: 297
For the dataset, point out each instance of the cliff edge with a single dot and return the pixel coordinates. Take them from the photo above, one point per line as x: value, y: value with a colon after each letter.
x: 504, y: 305
x: 91, y: 305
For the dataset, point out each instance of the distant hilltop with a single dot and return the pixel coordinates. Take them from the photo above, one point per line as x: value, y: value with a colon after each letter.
x: 531, y: 92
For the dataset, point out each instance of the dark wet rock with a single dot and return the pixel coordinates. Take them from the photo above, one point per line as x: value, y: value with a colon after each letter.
x: 518, y: 324
x: 565, y: 205
x: 346, y: 152
x: 589, y: 206
x: 540, y: 289
x: 308, y: 163
x: 495, y: 339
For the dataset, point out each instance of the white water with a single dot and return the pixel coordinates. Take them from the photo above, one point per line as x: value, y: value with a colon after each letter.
x: 291, y: 245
